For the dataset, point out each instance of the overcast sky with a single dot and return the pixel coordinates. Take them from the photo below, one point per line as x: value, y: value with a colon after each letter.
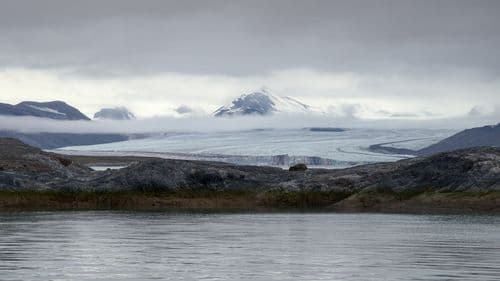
x: 371, y: 59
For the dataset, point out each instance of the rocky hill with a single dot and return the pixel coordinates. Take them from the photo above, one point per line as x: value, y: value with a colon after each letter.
x: 487, y: 136
x: 464, y: 171
x: 474, y: 137
x: 23, y: 167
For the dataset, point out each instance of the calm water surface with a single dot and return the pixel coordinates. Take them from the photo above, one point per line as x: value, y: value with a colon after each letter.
x: 187, y: 246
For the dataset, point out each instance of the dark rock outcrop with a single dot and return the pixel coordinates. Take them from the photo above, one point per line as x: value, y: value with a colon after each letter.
x: 327, y: 129
x: 27, y: 167
x: 298, y: 167
x: 475, y: 169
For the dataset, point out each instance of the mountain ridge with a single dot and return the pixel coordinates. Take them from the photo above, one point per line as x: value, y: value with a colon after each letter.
x: 473, y: 137
x: 485, y: 136
x: 57, y: 110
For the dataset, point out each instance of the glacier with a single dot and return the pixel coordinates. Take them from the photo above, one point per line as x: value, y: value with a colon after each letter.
x: 274, y: 147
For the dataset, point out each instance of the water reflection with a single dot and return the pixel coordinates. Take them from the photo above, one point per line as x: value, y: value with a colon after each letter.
x: 195, y: 246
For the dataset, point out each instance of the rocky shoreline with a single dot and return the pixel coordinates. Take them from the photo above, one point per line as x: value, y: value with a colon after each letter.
x: 465, y: 178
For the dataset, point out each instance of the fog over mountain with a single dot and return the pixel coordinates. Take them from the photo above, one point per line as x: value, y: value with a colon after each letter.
x: 116, y: 113
x: 214, y: 124
x: 379, y: 59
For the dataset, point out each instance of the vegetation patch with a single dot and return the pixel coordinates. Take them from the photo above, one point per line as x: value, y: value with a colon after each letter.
x: 167, y: 200
x: 245, y: 200
x: 425, y: 201
x: 301, y: 199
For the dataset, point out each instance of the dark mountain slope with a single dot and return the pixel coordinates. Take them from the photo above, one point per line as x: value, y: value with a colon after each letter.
x: 54, y: 110
x: 487, y: 136
x: 475, y: 137
x: 56, y: 140
x: 57, y: 110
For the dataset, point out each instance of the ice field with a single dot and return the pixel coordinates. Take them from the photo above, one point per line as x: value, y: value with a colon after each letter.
x: 273, y: 147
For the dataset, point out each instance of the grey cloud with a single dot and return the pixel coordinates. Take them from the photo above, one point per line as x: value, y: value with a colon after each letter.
x: 183, y: 109
x: 125, y: 37
x: 398, y: 114
x: 347, y: 110
x: 483, y: 110
x: 476, y: 111
x: 387, y: 113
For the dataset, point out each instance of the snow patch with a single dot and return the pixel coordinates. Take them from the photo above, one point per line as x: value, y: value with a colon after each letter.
x: 46, y: 109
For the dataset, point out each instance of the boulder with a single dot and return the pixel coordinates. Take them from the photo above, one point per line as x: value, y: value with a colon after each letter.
x: 298, y: 167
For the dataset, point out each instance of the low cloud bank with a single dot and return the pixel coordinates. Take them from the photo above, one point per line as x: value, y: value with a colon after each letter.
x: 213, y: 124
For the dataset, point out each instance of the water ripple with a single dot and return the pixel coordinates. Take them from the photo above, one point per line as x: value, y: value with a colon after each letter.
x: 195, y: 246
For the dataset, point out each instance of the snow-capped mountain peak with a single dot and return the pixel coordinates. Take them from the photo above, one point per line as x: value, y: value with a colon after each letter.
x: 117, y: 113
x: 262, y: 102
